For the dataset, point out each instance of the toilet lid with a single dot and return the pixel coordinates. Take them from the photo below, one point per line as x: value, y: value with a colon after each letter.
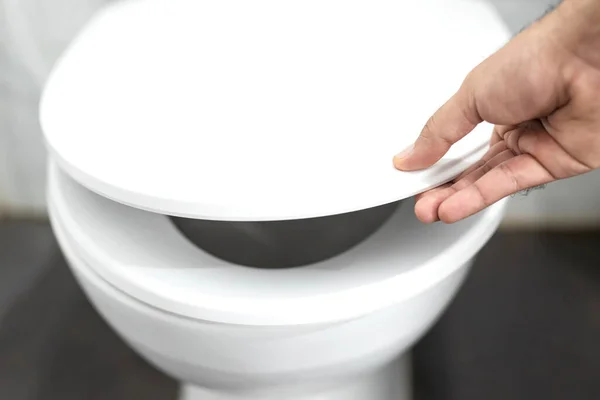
x: 262, y: 109
x: 145, y: 256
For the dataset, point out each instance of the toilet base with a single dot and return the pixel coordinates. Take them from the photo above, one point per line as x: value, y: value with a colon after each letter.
x: 392, y: 382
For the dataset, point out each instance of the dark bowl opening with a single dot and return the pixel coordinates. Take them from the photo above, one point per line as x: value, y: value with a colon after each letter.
x: 284, y: 244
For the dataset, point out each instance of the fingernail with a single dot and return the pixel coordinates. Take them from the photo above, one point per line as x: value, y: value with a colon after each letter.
x: 405, y: 153
x: 400, y: 157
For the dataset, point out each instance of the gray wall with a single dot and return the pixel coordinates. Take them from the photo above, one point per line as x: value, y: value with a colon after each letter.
x: 32, y: 35
x: 571, y: 203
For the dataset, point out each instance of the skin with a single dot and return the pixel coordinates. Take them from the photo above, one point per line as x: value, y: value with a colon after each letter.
x: 542, y: 93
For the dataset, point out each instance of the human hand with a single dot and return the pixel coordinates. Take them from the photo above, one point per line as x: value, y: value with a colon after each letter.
x: 542, y: 93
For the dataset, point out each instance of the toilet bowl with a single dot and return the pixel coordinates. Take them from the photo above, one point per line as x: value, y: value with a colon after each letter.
x: 339, y: 329
x: 221, y: 184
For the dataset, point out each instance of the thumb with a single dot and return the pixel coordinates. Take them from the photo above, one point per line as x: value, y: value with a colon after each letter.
x: 455, y: 119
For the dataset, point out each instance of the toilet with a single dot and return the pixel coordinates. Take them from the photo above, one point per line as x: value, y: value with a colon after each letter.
x: 220, y: 183
x: 339, y: 329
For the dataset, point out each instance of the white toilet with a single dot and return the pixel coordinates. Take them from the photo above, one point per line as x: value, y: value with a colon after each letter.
x: 332, y: 330
x: 241, y: 226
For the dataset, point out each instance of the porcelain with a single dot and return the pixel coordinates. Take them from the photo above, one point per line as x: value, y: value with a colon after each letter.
x: 336, y: 330
x: 144, y: 254
x: 255, y: 110
x: 256, y: 115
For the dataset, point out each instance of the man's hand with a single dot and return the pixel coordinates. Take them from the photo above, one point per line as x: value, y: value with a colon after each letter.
x: 542, y: 93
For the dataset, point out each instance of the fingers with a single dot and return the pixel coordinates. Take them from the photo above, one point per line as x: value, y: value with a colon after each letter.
x: 448, y: 125
x: 534, y: 139
x: 484, y: 169
x: 493, y: 151
x: 525, y: 156
x: 427, y: 206
x: 511, y: 176
x: 498, y: 133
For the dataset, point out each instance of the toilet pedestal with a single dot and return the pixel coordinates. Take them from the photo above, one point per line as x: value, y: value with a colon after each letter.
x: 392, y: 382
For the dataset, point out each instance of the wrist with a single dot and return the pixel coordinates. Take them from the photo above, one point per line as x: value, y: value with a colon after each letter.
x: 575, y: 26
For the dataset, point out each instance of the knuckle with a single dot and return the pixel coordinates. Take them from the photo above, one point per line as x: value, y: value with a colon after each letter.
x: 433, y: 134
x: 483, y: 198
x: 485, y: 168
x: 512, y: 139
x: 428, y: 130
x: 509, y: 173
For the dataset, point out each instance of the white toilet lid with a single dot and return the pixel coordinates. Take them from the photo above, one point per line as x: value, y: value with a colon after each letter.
x: 145, y: 256
x: 262, y: 109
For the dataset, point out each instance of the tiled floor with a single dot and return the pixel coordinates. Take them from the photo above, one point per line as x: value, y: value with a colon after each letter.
x: 525, y: 326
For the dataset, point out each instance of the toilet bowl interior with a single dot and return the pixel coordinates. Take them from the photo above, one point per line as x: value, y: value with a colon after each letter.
x: 284, y: 244
x: 146, y: 256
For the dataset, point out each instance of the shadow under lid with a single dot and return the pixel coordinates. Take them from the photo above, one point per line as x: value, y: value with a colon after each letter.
x: 284, y: 244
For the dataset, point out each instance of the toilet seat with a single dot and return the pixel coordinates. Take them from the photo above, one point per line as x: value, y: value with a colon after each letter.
x: 262, y: 110
x: 145, y: 256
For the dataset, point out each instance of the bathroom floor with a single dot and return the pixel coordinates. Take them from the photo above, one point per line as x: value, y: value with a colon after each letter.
x: 526, y: 325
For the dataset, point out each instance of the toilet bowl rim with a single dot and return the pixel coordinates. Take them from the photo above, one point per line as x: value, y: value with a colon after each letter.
x: 220, y: 316
x: 327, y: 308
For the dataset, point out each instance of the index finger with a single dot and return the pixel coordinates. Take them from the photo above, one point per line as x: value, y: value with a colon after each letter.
x: 451, y: 122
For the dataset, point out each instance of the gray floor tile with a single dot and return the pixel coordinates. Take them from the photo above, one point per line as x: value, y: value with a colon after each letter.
x: 525, y: 326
